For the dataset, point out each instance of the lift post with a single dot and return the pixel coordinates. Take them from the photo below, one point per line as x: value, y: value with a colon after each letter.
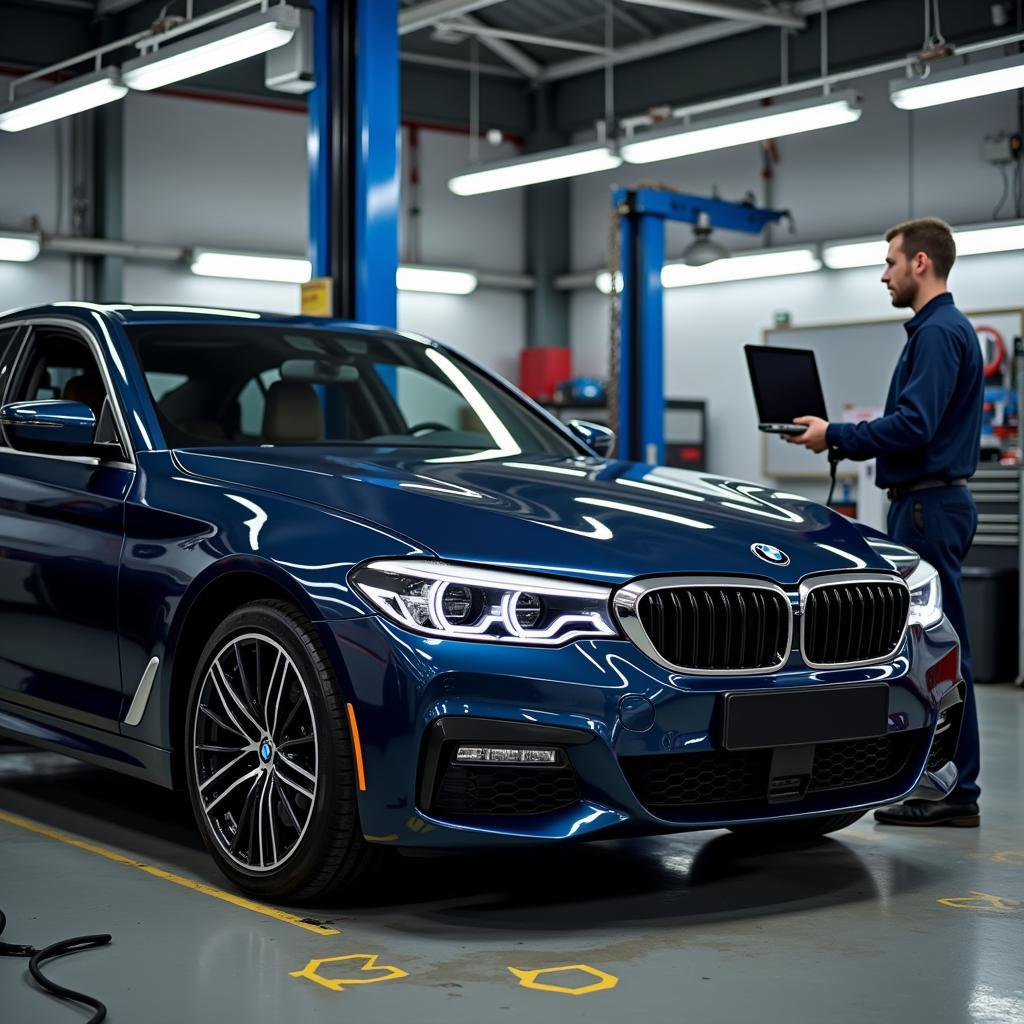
x: 642, y: 215
x: 352, y: 146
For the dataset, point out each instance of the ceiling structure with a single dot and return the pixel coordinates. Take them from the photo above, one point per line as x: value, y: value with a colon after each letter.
x: 546, y: 60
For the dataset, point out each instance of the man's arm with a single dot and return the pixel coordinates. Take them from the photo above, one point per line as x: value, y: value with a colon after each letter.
x: 918, y: 410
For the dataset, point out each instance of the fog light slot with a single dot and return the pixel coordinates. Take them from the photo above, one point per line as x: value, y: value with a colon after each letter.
x: 505, y: 755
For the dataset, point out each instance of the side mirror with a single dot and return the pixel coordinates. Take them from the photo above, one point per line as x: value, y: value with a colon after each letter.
x: 52, y: 425
x: 599, y: 439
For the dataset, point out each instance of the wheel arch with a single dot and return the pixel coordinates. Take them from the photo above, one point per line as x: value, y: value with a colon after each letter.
x: 207, y: 603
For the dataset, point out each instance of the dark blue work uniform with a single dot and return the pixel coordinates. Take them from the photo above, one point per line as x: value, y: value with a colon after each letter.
x: 929, y: 436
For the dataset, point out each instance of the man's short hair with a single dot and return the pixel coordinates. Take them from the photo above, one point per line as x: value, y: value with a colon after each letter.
x: 929, y: 235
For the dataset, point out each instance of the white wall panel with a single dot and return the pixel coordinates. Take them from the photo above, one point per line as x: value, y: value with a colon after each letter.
x: 216, y: 174
x: 843, y: 182
x: 488, y: 325
x: 162, y: 284
x: 706, y: 328
x: 485, y: 232
x: 839, y: 182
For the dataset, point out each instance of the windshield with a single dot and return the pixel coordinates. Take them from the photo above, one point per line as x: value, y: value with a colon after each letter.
x: 254, y: 384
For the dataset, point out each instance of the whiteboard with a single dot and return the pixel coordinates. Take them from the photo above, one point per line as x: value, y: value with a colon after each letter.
x: 855, y: 362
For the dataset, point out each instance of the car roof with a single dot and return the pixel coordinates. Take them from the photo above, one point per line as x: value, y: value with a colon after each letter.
x: 167, y: 313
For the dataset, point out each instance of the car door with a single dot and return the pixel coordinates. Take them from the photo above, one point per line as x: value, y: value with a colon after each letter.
x: 61, y: 533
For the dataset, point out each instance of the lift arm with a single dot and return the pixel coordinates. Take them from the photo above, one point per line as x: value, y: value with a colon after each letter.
x: 640, y: 378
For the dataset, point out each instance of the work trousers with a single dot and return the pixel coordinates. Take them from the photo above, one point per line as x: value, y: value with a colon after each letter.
x: 939, y: 524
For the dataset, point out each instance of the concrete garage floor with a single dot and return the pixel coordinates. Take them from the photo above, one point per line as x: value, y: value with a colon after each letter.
x: 876, y: 924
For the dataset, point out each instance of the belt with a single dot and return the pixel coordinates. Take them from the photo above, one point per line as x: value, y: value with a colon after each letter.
x: 924, y: 484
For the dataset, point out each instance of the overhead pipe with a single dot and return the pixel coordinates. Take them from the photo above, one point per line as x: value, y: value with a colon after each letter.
x: 153, y: 252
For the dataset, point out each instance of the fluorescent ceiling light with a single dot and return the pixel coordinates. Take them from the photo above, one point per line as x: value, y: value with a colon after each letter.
x: 603, y: 282
x: 843, y: 255
x: 999, y: 238
x: 228, y: 43
x: 970, y: 241
x: 19, y: 246
x: 549, y: 165
x: 83, y: 93
x: 964, y: 83
x: 429, y: 279
x: 245, y: 266
x: 742, y: 267
x: 737, y: 129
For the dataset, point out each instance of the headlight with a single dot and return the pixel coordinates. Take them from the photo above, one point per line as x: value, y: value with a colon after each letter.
x: 901, y: 558
x: 468, y: 603
x: 925, y: 596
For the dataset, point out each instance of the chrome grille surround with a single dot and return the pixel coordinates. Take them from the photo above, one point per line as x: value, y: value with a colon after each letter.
x: 809, y: 585
x: 626, y: 601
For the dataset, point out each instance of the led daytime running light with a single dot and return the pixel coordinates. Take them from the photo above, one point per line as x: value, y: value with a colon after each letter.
x: 411, y: 593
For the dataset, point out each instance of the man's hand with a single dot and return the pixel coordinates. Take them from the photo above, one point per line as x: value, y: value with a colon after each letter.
x: 813, y: 437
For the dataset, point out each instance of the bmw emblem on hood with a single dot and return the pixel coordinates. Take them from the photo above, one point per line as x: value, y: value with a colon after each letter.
x: 770, y: 553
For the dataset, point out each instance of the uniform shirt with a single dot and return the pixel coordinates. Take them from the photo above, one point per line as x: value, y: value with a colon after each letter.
x: 932, y: 421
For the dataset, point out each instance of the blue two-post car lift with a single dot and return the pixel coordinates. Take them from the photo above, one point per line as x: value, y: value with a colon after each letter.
x: 352, y: 147
x: 642, y: 213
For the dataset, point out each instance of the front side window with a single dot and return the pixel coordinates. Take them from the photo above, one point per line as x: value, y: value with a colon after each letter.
x: 58, y: 364
x: 262, y: 384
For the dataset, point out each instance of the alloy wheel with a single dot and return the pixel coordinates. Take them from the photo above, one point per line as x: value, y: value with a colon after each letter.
x: 255, y: 752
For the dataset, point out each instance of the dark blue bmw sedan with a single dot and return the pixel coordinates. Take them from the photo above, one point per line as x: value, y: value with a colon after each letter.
x: 356, y: 593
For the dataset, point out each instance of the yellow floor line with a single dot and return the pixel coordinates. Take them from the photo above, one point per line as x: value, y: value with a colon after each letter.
x: 168, y: 876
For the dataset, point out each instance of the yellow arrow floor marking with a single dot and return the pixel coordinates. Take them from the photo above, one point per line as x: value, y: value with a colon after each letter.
x: 528, y: 979
x: 977, y: 901
x: 1008, y: 856
x: 311, y: 972
x: 168, y: 876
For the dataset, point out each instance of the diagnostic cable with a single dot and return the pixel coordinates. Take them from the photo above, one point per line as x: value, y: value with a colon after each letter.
x: 36, y: 957
x: 833, y: 462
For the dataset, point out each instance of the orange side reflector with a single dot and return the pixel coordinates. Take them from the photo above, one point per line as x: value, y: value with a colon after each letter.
x: 357, y: 747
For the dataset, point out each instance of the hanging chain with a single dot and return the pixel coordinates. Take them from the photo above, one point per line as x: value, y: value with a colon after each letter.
x: 474, y: 100
x: 934, y: 41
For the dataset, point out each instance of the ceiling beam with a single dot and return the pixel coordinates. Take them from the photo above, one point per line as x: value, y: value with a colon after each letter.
x: 673, y: 41
x: 710, y: 9
x: 454, y: 64
x: 105, y: 7
x: 488, y: 32
x: 510, y: 54
x: 423, y: 15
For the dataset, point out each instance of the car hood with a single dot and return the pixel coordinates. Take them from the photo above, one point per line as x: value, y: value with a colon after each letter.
x: 582, y: 517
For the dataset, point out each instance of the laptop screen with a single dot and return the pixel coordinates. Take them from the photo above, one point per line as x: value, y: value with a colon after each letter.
x: 786, y: 383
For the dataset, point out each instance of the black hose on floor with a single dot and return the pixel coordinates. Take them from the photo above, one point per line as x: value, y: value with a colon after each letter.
x: 65, y: 947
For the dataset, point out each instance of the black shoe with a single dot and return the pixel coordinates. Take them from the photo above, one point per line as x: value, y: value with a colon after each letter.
x: 930, y: 812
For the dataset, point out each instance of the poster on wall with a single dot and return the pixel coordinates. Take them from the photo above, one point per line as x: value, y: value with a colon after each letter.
x: 999, y: 430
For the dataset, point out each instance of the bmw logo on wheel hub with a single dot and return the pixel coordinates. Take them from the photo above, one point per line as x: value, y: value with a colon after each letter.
x: 770, y: 553
x: 266, y: 751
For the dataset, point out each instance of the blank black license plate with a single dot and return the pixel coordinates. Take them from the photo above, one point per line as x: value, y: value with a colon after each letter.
x: 819, y: 714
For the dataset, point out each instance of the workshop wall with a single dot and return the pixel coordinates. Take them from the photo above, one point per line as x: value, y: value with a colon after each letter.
x: 234, y: 176
x: 844, y: 182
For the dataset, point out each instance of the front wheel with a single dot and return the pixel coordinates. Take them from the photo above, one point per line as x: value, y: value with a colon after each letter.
x: 803, y: 830
x: 269, y: 759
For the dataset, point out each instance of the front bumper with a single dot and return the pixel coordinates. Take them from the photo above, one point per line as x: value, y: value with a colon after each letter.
x: 639, y: 746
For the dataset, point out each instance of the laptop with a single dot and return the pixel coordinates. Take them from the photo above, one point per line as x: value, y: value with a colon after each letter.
x: 786, y: 385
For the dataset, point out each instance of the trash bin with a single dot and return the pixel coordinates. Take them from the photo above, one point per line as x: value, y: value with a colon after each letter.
x: 991, y: 603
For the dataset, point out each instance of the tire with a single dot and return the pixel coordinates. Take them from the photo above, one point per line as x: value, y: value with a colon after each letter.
x: 281, y: 823
x: 804, y: 830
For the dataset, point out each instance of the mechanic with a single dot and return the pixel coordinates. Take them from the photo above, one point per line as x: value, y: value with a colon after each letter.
x: 926, y: 446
